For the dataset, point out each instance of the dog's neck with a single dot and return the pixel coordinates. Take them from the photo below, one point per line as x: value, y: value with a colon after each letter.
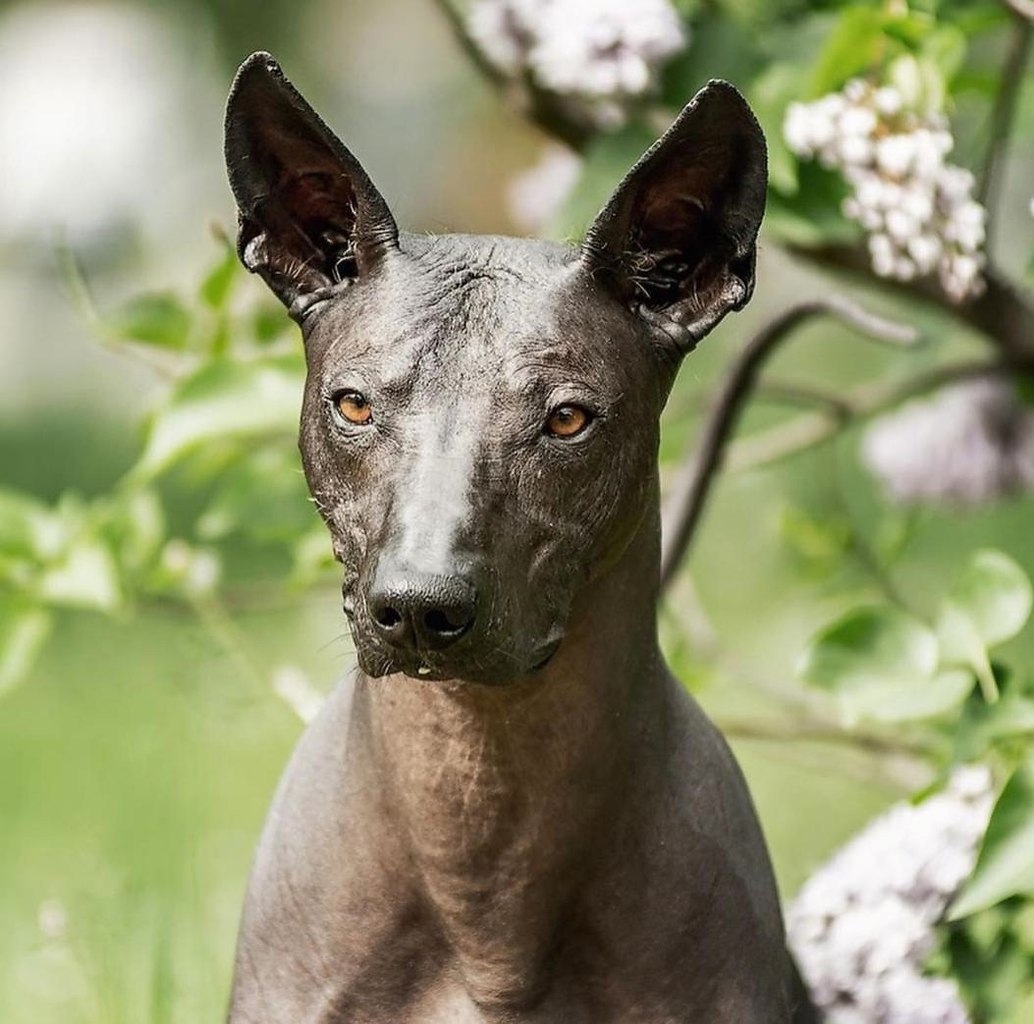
x: 502, y: 794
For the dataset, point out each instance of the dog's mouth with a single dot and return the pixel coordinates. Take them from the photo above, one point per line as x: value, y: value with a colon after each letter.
x: 477, y: 660
x: 467, y: 666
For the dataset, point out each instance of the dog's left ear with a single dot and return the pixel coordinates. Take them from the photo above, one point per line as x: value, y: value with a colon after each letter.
x: 310, y: 217
x: 677, y: 240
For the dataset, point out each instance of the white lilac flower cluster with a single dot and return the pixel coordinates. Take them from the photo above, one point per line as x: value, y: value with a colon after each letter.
x: 864, y: 924
x: 535, y: 195
x: 969, y: 444
x: 918, y: 210
x: 599, y: 54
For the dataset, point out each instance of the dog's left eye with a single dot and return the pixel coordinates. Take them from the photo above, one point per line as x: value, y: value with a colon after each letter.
x: 354, y: 407
x: 567, y: 421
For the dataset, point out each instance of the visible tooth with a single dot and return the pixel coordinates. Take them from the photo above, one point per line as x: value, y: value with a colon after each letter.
x: 423, y: 670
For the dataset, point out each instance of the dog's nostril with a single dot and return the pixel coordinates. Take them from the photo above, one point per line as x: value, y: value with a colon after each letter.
x: 439, y: 621
x: 388, y: 617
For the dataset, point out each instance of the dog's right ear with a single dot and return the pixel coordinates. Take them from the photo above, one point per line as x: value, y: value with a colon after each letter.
x: 309, y: 215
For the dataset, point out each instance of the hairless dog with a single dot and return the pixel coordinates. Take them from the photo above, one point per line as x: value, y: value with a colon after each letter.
x: 513, y: 814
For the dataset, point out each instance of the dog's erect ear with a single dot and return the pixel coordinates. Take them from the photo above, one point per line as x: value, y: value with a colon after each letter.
x: 309, y: 215
x: 677, y: 240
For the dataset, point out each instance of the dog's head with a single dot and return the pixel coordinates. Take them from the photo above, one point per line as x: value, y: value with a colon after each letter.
x: 480, y: 421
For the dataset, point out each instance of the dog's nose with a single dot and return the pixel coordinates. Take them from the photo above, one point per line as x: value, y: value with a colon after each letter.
x: 422, y: 611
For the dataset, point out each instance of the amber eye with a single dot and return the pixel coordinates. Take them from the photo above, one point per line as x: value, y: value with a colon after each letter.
x: 567, y: 421
x: 354, y: 407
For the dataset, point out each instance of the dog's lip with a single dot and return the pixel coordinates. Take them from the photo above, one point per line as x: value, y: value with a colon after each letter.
x: 439, y: 668
x: 550, y: 649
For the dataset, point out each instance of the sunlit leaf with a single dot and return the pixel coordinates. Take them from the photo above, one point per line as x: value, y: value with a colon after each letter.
x: 28, y: 528
x: 1005, y: 866
x: 135, y: 527
x: 852, y: 47
x: 988, y: 604
x: 996, y: 594
x: 86, y: 577
x: 224, y: 401
x: 22, y: 632
x: 945, y: 47
x: 156, y: 318
x: 881, y: 664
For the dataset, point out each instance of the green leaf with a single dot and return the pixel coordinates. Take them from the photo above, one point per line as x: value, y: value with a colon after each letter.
x: 217, y: 287
x: 1005, y: 866
x: 812, y: 216
x: 156, y: 318
x: 607, y: 160
x: 983, y: 726
x: 770, y: 95
x: 881, y: 664
x: 996, y: 594
x: 264, y: 497
x: 28, y: 528
x: 945, y: 48
x: 22, y: 632
x: 989, y: 603
x: 719, y: 47
x: 269, y: 323
x: 86, y: 577
x: 224, y: 401
x: 135, y: 527
x: 852, y: 47
x: 819, y: 542
x: 312, y: 557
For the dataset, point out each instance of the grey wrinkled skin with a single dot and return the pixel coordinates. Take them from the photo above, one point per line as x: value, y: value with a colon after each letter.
x: 513, y: 814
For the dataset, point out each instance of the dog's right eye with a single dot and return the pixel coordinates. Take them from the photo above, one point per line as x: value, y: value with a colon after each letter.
x: 567, y: 421
x: 354, y: 408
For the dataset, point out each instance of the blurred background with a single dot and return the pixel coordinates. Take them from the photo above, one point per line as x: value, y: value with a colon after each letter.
x: 168, y: 611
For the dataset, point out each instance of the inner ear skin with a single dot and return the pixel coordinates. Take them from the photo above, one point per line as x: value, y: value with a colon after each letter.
x: 680, y: 244
x: 310, y: 210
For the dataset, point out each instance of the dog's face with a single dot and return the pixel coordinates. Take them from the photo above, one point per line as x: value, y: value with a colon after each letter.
x: 480, y: 422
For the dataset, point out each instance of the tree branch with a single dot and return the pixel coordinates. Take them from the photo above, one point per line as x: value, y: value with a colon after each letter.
x: 822, y: 732
x: 1004, y: 313
x: 692, y: 490
x: 1002, y: 116
x: 806, y: 432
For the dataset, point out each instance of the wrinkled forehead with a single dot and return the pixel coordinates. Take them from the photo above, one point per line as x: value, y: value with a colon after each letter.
x: 473, y: 313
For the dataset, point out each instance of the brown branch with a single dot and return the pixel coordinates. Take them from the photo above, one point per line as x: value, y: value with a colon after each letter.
x: 822, y: 732
x: 690, y: 495
x: 1002, y: 117
x: 1003, y: 313
x: 804, y: 432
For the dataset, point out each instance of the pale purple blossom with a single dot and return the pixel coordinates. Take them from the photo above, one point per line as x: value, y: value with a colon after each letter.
x: 864, y: 924
x: 969, y: 444
x: 535, y: 196
x: 599, y: 54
